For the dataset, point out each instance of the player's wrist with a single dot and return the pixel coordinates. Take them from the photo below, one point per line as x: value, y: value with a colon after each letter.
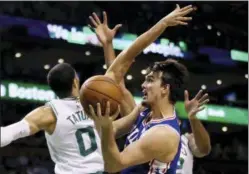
x: 192, y: 117
x: 107, y: 127
x: 165, y: 22
x: 107, y: 43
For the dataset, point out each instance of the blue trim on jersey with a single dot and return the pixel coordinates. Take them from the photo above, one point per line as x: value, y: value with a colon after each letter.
x: 138, y: 129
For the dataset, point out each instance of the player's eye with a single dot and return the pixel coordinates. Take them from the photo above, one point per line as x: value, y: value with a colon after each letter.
x: 149, y: 80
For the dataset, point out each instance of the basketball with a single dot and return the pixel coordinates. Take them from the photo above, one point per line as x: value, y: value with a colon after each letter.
x: 100, y: 89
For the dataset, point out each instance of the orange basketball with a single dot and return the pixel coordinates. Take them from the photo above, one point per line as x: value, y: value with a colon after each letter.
x: 100, y: 89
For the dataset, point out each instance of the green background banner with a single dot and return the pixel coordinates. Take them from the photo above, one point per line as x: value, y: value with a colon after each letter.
x: 41, y: 93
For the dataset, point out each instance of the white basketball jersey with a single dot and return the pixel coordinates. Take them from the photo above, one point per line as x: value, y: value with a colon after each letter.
x: 186, y: 160
x: 74, y: 145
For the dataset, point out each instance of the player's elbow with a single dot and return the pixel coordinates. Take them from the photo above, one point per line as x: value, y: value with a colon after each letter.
x: 114, y: 75
x: 205, y: 150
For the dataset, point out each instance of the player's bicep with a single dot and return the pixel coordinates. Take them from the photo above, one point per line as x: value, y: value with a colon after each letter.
x: 135, y: 154
x: 40, y: 119
x: 158, y: 143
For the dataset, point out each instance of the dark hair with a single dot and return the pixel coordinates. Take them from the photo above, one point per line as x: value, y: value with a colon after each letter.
x: 60, y: 79
x: 173, y: 73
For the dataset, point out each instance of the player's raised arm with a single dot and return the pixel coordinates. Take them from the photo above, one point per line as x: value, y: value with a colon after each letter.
x: 37, y: 120
x: 105, y: 35
x: 124, y: 60
x: 199, y: 141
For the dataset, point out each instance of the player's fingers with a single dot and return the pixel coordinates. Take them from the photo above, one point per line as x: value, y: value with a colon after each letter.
x: 181, y: 23
x: 93, y: 21
x: 200, y: 108
x: 180, y: 18
x: 107, y: 110
x: 105, y: 20
x: 186, y: 96
x: 99, y: 110
x: 96, y: 18
x: 91, y: 28
x: 186, y: 8
x: 177, y: 7
x: 203, y: 98
x: 184, y: 13
x: 117, y: 27
x: 116, y: 113
x: 198, y: 95
x: 92, y: 112
x: 204, y: 102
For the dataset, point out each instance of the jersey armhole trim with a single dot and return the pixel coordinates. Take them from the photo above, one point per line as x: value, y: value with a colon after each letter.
x: 53, y: 108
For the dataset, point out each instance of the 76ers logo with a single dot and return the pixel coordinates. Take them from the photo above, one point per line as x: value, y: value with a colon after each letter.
x: 135, y: 135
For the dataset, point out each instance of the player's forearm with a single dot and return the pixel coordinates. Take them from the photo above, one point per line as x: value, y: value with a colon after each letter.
x: 110, y: 56
x: 14, y: 131
x: 110, y: 150
x: 124, y: 125
x: 201, y: 136
x: 124, y: 60
x: 128, y: 105
x: 109, y: 53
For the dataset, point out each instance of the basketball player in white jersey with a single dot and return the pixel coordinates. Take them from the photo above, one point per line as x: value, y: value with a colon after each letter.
x: 72, y: 139
x: 195, y: 144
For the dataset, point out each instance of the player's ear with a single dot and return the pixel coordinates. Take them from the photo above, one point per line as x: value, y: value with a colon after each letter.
x: 165, y: 89
x: 75, y: 83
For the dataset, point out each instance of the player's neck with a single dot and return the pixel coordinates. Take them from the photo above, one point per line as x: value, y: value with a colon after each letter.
x: 75, y: 93
x: 162, y: 109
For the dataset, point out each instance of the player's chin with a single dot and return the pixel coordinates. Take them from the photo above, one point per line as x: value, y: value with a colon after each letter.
x: 145, y: 103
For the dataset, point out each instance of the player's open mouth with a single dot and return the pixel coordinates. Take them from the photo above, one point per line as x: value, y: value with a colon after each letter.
x: 145, y: 94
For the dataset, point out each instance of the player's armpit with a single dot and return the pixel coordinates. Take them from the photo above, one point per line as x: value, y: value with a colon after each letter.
x: 160, y: 142
x: 41, y: 118
x: 193, y: 147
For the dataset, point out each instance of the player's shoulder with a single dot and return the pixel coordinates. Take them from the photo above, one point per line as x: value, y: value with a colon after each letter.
x: 44, y: 111
x: 42, y: 116
x: 162, y: 133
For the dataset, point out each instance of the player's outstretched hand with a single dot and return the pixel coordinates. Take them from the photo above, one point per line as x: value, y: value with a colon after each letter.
x: 178, y: 16
x: 104, y: 33
x: 196, y: 104
x: 106, y: 119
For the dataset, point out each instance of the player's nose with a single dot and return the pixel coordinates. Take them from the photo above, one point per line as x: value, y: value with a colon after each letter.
x: 143, y: 85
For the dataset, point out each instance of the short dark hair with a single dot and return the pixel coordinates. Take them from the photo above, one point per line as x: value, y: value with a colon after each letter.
x: 173, y: 73
x: 60, y: 79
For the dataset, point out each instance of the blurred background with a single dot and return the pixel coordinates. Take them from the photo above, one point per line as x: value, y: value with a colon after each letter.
x: 35, y: 36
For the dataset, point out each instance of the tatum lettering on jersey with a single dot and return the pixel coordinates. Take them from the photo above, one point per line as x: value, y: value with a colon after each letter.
x: 77, y: 117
